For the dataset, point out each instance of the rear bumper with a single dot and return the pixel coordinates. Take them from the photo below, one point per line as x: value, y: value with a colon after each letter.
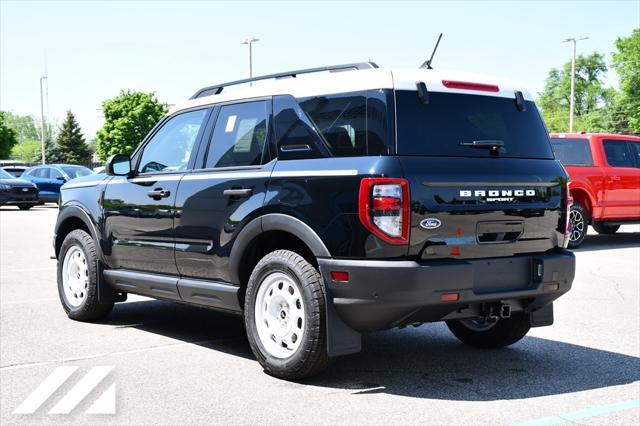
x: 386, y: 294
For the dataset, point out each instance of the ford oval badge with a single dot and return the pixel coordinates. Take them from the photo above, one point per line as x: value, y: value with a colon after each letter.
x: 430, y: 223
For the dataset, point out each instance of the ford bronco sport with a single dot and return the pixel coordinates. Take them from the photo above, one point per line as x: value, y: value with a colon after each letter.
x: 320, y: 205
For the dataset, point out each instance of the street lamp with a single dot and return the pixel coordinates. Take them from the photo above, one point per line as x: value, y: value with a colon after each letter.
x: 42, y: 117
x: 573, y: 77
x: 250, y: 42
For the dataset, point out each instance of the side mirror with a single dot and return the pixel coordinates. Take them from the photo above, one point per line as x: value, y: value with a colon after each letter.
x: 62, y: 178
x: 118, y: 165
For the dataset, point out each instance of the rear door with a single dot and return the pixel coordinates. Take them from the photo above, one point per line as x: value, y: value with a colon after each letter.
x: 622, y: 181
x: 501, y: 197
x: 139, y: 209
x: 224, y: 191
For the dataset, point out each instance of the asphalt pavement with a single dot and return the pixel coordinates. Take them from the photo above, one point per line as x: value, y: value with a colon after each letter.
x: 167, y: 363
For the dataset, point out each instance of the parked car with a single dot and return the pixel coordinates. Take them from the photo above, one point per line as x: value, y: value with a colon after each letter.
x: 605, y: 180
x: 15, y: 171
x: 49, y: 178
x: 18, y: 192
x: 328, y: 205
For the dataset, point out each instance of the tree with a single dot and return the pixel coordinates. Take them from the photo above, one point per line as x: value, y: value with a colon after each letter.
x: 626, y: 62
x: 24, y: 125
x: 52, y: 152
x: 27, y: 152
x: 128, y: 118
x: 593, y: 100
x: 71, y: 142
x: 8, y: 138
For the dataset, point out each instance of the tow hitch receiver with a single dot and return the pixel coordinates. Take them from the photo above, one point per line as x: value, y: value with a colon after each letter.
x: 493, y: 311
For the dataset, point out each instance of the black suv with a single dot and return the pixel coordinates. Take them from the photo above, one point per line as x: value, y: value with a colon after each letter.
x: 321, y: 204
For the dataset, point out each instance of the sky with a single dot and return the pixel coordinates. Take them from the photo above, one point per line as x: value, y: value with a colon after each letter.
x: 91, y: 50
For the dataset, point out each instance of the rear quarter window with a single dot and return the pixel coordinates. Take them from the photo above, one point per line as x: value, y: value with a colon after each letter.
x: 449, y: 119
x: 572, y: 152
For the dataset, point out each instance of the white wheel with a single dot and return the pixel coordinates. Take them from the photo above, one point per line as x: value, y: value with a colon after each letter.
x: 280, y: 315
x: 75, y: 276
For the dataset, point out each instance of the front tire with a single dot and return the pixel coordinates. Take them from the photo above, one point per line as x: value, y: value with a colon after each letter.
x: 24, y: 206
x: 78, y: 278
x: 284, y: 315
x: 605, y: 229
x: 504, y: 332
x: 579, y: 222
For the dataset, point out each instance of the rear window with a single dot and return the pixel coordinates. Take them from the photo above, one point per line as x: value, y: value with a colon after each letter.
x: 450, y: 119
x: 572, y: 152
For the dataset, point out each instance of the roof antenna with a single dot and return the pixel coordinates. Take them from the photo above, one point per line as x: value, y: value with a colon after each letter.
x: 427, y: 64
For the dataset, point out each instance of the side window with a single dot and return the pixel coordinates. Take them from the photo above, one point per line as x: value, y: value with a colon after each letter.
x: 42, y: 172
x: 342, y: 121
x: 338, y: 125
x: 295, y: 135
x: 239, y: 135
x: 635, y: 151
x: 54, y: 173
x: 617, y: 153
x: 170, y: 148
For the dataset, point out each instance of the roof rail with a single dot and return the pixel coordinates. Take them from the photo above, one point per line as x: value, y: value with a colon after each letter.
x: 217, y: 88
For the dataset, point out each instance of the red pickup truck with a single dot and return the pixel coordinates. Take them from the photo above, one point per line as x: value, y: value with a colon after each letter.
x: 605, y: 180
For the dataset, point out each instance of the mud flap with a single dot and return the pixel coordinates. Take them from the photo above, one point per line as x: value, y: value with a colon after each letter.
x: 341, y: 339
x: 542, y: 317
x: 106, y: 294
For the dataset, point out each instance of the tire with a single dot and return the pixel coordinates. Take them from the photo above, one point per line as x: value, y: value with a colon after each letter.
x: 605, y: 229
x: 504, y: 332
x: 78, y: 257
x: 24, y: 206
x: 284, y: 281
x: 579, y: 222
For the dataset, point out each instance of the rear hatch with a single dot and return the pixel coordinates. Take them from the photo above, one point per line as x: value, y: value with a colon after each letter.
x: 482, y: 176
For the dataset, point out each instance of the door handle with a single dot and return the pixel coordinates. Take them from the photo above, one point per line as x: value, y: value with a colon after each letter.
x: 158, y: 193
x: 237, y: 192
x: 614, y: 178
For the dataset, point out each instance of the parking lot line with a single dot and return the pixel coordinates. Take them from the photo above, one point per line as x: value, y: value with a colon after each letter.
x: 585, y: 413
x: 99, y: 355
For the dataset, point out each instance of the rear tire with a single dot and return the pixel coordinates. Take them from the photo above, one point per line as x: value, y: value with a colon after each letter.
x: 579, y: 222
x: 504, y: 332
x: 605, y: 229
x: 24, y: 206
x: 78, y: 278
x: 284, y: 314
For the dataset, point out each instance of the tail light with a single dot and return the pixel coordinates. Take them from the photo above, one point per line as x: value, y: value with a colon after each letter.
x: 567, y: 216
x: 383, y: 208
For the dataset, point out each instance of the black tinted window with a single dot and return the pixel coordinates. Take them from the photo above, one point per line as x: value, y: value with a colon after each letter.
x: 572, y: 152
x: 239, y: 135
x: 618, y: 154
x: 635, y: 151
x: 342, y: 121
x: 339, y: 125
x: 439, y: 127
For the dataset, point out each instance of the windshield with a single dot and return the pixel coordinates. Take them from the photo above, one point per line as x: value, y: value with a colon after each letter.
x: 5, y: 175
x: 572, y: 152
x: 76, y: 171
x: 450, y: 124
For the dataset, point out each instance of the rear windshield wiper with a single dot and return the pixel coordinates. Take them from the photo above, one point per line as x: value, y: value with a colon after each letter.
x: 489, y: 144
x: 496, y: 146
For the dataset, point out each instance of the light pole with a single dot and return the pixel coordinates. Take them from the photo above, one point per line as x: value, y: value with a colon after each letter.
x: 42, y: 118
x: 250, y: 42
x: 573, y: 78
